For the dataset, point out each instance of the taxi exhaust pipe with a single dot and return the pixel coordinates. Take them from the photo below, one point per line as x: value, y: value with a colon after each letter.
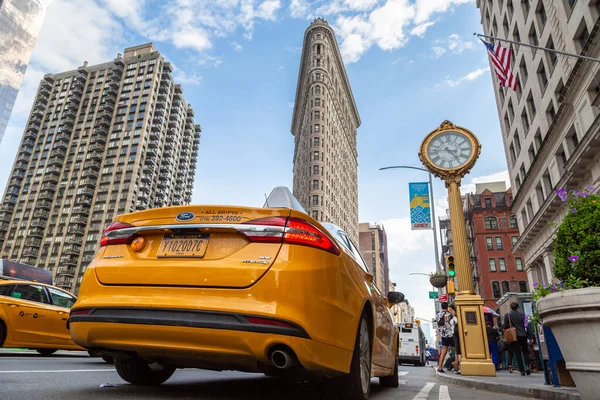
x: 282, y: 359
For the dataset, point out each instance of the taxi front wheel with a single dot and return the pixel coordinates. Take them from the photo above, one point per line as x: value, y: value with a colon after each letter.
x: 46, y: 352
x: 138, y: 372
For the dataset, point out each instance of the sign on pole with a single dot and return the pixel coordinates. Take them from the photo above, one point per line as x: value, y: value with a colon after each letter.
x: 433, y: 295
x: 420, y: 210
x: 444, y: 298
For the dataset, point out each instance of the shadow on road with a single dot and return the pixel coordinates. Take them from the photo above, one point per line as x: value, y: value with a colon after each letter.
x: 238, y: 388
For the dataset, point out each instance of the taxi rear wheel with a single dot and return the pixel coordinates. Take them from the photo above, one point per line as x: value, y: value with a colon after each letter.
x: 138, y: 372
x: 357, y: 384
x: 392, y: 380
x: 46, y: 352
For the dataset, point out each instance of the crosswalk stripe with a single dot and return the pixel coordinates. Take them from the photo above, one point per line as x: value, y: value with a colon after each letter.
x: 402, y: 373
x: 444, y: 393
x: 424, y: 393
x: 402, y: 381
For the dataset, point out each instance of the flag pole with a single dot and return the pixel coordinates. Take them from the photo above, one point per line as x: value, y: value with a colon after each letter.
x: 539, y: 48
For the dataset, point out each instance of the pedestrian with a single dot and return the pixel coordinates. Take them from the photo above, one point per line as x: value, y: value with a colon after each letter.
x: 493, y: 337
x: 456, y: 363
x: 446, y: 323
x: 519, y: 348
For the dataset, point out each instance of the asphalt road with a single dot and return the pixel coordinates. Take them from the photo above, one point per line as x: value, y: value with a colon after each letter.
x: 74, y: 376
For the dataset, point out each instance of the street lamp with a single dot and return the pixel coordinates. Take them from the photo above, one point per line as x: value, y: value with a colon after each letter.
x: 431, y: 204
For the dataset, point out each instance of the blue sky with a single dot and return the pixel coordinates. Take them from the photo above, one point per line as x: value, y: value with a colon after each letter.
x: 411, y: 65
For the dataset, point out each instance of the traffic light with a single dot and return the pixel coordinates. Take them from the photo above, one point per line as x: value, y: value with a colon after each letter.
x: 451, y: 274
x: 450, y: 266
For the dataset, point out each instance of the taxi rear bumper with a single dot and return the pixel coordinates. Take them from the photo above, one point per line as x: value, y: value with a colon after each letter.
x: 188, y: 318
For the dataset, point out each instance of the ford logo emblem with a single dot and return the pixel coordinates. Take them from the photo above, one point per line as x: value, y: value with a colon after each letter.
x: 185, y: 216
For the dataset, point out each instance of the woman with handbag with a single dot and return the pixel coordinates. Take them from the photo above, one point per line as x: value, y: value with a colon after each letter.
x: 515, y: 337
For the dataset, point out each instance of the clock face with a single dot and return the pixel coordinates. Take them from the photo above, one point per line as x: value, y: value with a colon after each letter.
x: 450, y: 150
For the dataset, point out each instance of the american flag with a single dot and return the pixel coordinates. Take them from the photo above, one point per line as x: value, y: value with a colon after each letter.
x: 500, y: 57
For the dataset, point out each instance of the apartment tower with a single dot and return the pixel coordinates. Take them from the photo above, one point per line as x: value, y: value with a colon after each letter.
x: 550, y: 124
x: 20, y: 23
x: 373, y: 248
x: 324, y: 127
x: 100, y: 141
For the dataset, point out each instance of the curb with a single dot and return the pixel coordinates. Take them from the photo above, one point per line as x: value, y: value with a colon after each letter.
x: 538, y: 393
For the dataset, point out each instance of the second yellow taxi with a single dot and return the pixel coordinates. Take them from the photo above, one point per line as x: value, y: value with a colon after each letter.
x: 267, y: 290
x: 34, y: 316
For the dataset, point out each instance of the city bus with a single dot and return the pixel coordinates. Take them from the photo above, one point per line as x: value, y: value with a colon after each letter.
x: 413, y: 346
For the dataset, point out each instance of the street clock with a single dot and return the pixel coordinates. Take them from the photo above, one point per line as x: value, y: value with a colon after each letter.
x: 449, y: 151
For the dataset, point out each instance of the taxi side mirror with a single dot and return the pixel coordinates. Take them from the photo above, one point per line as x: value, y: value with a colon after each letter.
x: 395, y: 297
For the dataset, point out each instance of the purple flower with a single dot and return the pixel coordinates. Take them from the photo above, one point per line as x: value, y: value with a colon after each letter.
x: 561, y: 284
x: 526, y: 320
x: 574, y: 258
x: 590, y: 188
x: 573, y: 210
x: 562, y: 193
x: 553, y: 288
x: 545, y: 286
x: 536, y: 284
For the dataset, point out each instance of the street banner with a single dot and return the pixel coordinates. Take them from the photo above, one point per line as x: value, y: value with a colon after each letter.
x: 420, y: 211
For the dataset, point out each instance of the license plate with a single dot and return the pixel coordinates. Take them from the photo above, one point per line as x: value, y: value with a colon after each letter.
x: 183, y: 246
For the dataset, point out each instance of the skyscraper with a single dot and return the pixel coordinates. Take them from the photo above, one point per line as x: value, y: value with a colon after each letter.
x: 20, y: 23
x: 324, y: 127
x: 550, y: 123
x: 101, y: 140
x: 373, y: 248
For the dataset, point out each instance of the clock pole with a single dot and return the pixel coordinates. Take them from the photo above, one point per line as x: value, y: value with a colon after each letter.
x: 472, y: 333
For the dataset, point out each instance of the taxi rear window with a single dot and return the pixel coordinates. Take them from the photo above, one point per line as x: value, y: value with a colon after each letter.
x: 6, y: 289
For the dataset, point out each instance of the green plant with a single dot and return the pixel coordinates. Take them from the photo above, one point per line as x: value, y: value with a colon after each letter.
x: 440, y: 274
x: 576, y: 248
x: 577, y: 244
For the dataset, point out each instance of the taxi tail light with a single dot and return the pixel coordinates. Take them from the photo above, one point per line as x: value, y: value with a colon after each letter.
x: 271, y: 322
x: 266, y: 237
x: 81, y: 311
x: 111, y: 234
x: 297, y: 231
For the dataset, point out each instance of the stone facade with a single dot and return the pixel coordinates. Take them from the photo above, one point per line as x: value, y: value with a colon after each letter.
x: 373, y: 248
x: 550, y: 125
x: 324, y: 127
x: 100, y: 141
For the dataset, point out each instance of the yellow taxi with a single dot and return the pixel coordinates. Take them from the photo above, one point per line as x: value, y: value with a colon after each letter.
x: 34, y: 316
x: 236, y: 288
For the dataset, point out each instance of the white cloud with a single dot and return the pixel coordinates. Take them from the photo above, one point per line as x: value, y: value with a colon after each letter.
x: 452, y: 44
x: 281, y: 69
x: 439, y: 51
x: 468, y: 77
x: 389, y: 24
x: 194, y: 38
x: 180, y: 77
x: 236, y: 46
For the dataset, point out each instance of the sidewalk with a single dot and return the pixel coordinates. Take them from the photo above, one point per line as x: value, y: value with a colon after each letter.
x: 528, y: 386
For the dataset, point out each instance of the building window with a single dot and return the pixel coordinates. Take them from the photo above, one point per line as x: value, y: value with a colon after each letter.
x: 519, y: 262
x: 315, y: 184
x: 492, y: 262
x: 505, y: 287
x: 496, y: 290
x: 373, y: 242
x: 583, y: 35
x: 489, y: 243
x: 542, y: 76
x: 488, y: 202
x: 315, y: 215
x: 523, y: 287
x: 502, y: 263
x: 514, y: 240
x: 315, y: 170
x: 491, y: 223
x: 316, y: 141
x: 513, y: 222
x: 318, y: 89
x: 499, y: 245
x: 316, y: 156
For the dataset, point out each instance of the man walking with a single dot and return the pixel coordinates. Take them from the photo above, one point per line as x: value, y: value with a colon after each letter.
x: 520, y: 348
x: 446, y: 322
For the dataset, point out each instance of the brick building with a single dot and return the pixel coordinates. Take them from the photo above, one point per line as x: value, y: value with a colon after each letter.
x: 493, y: 231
